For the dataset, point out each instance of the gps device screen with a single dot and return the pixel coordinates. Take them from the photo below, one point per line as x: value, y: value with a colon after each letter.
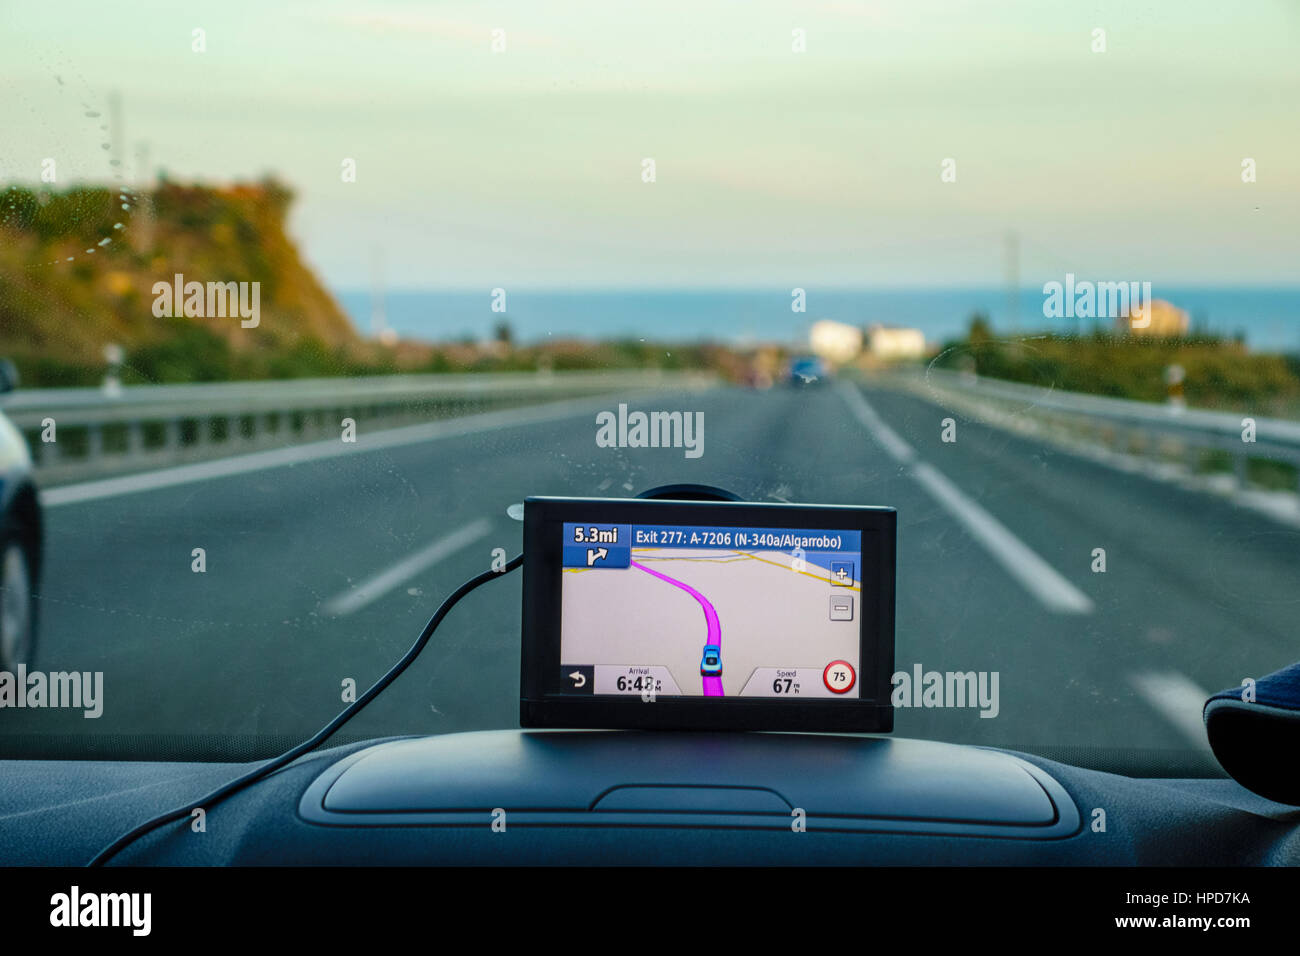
x: 707, y: 614
x: 711, y: 611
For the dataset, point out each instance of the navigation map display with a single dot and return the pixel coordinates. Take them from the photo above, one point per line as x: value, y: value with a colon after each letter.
x: 721, y: 615
x: 692, y: 610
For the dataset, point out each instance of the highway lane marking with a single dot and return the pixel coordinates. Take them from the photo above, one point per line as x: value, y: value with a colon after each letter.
x: 375, y: 587
x: 1178, y: 699
x: 1019, y: 560
x: 898, y: 449
x: 316, y: 451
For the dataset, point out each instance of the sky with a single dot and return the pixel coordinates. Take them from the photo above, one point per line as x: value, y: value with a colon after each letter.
x: 773, y: 168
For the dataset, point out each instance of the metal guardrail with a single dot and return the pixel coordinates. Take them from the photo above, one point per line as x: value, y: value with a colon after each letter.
x: 101, y: 430
x: 1168, y: 430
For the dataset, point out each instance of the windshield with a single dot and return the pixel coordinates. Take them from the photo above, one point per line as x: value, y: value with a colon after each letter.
x: 303, y: 299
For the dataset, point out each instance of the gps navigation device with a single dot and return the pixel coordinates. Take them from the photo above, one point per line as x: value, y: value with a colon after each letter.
x: 707, y: 615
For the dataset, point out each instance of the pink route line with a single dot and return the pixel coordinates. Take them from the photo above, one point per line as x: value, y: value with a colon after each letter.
x: 712, y: 685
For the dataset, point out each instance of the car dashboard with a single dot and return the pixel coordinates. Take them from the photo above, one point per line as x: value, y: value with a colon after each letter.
x: 628, y: 797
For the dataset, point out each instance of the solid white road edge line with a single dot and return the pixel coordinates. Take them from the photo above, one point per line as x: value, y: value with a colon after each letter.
x: 315, y: 451
x: 1019, y: 560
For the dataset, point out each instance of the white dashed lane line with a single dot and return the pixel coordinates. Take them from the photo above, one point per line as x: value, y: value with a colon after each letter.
x: 1178, y: 699
x: 375, y: 587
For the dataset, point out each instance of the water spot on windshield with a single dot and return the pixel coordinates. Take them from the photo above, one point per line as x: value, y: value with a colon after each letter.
x: 965, y: 361
x: 126, y: 195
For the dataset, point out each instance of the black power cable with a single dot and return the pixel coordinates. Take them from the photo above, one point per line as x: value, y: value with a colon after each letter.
x: 275, y: 763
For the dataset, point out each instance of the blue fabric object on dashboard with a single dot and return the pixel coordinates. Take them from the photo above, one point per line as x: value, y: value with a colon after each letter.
x: 1254, y: 731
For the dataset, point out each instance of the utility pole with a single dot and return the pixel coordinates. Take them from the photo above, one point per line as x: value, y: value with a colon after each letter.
x: 142, y: 222
x: 1012, y: 250
x: 115, y: 132
x: 378, y: 319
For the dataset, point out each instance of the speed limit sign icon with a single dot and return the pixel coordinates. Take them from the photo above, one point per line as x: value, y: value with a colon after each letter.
x: 839, y: 677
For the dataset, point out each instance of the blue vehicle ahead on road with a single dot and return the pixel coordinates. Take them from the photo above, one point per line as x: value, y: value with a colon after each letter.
x: 711, y: 662
x: 20, y: 539
x: 808, y: 370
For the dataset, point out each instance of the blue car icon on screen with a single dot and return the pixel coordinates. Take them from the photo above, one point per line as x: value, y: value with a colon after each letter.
x: 711, y: 662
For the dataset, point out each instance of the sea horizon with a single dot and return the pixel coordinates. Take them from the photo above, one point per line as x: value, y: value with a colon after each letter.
x: 1267, y: 317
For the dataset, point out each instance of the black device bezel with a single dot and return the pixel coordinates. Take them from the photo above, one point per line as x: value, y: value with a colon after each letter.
x: 542, y: 705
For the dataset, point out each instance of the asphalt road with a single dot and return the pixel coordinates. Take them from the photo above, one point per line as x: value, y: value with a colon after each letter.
x: 326, y: 570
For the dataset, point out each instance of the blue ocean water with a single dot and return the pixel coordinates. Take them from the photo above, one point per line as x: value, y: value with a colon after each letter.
x: 1268, y: 318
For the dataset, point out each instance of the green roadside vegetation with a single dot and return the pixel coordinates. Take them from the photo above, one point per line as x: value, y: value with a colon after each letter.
x: 1217, y: 373
x: 78, y: 267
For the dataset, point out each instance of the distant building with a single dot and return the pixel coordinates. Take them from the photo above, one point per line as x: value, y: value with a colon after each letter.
x: 1166, y: 320
x: 834, y: 341
x: 891, y: 343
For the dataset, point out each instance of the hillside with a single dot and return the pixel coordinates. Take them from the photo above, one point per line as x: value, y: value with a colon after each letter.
x: 61, y: 303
